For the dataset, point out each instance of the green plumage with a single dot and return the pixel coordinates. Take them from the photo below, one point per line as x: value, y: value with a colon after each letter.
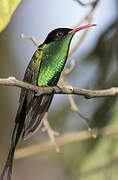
x: 49, y: 60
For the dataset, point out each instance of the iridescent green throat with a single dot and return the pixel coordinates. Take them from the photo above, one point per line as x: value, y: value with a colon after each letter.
x: 53, y: 60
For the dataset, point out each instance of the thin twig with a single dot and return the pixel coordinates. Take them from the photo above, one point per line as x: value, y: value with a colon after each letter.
x: 63, y: 140
x: 71, y: 99
x: 89, y: 19
x: 83, y: 4
x: 12, y: 81
x: 94, y: 4
x: 86, y: 4
x: 51, y: 133
x: 68, y: 70
x: 36, y: 43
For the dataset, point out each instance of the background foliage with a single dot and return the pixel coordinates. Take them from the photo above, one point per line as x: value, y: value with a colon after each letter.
x: 6, y: 10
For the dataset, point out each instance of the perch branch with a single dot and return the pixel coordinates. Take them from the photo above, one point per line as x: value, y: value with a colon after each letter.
x: 12, y: 81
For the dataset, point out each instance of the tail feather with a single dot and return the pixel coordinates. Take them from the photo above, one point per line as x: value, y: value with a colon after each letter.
x: 19, y: 123
x: 9, y: 163
x: 36, y: 113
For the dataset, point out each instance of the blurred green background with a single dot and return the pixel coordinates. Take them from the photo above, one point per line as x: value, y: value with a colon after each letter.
x: 96, y: 68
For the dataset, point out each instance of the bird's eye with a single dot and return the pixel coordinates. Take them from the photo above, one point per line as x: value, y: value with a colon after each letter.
x: 59, y: 34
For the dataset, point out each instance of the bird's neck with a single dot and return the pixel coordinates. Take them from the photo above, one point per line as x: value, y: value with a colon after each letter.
x: 54, y: 59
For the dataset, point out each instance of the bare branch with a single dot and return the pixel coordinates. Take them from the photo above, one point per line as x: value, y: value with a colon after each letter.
x: 66, y: 70
x: 63, y: 140
x: 36, y: 43
x: 88, y: 17
x: 83, y: 4
x: 71, y: 99
x: 93, y: 3
x: 51, y: 133
x: 12, y: 81
x: 79, y: 42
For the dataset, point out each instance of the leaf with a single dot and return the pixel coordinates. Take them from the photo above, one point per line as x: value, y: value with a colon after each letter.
x: 7, y: 8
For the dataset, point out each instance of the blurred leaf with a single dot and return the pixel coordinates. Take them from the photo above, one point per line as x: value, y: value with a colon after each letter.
x: 7, y: 8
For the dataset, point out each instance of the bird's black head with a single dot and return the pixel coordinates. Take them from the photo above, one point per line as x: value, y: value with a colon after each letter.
x: 59, y: 33
x: 56, y: 34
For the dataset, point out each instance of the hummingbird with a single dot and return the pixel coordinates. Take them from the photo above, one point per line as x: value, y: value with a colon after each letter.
x: 44, y: 69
